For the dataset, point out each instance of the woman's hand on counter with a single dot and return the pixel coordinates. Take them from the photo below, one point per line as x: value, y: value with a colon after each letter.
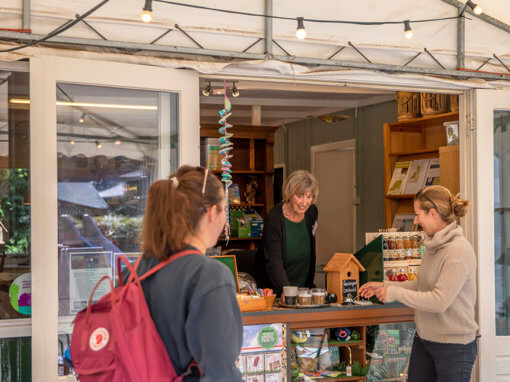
x: 381, y: 294
x: 369, y: 289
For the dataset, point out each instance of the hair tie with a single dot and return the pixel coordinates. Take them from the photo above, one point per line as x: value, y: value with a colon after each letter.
x: 175, y: 181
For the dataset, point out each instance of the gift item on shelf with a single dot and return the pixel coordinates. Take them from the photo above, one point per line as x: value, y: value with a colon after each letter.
x: 433, y: 103
x: 452, y: 132
x: 251, y: 189
x: 408, y: 105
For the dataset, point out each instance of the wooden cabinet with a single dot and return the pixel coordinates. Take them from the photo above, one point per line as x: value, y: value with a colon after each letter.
x: 252, y: 158
x: 419, y: 138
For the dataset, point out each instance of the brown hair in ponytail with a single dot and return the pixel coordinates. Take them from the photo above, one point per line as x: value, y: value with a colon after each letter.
x: 440, y: 198
x: 175, y: 207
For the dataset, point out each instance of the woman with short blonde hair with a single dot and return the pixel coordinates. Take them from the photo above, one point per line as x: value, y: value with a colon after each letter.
x: 287, y: 255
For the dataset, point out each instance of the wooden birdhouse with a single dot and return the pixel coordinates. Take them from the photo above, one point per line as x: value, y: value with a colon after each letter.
x: 343, y: 275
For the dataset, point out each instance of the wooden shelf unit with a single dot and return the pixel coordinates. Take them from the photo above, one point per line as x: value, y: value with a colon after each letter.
x: 252, y: 156
x: 420, y: 138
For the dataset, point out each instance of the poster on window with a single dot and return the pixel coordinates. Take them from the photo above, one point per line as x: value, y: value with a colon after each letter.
x: 263, y: 354
x: 85, y: 270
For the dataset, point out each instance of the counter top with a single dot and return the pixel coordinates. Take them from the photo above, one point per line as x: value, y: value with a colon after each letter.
x: 333, y: 316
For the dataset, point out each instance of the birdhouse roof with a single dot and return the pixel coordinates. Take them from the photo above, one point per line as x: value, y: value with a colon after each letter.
x: 340, y: 261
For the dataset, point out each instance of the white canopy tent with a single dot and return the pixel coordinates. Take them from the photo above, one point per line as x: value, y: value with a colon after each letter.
x: 211, y: 41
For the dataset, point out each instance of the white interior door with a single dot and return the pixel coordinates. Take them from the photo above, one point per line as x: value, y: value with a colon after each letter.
x: 175, y: 101
x: 492, y: 230
x: 334, y: 166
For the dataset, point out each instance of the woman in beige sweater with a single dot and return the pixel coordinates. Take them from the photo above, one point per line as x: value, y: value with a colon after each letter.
x: 443, y: 296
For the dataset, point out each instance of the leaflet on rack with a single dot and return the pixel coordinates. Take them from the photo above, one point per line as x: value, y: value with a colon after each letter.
x: 432, y: 178
x: 399, y: 177
x: 416, y: 177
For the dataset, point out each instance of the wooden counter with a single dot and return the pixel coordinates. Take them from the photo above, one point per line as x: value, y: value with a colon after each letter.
x: 333, y: 316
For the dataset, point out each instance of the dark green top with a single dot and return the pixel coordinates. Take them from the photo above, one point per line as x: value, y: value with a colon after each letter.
x: 297, y: 252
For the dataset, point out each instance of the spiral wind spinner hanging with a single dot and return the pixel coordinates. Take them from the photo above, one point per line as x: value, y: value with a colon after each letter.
x: 225, y: 147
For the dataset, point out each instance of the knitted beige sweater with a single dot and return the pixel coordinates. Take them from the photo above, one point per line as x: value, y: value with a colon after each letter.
x: 444, y: 295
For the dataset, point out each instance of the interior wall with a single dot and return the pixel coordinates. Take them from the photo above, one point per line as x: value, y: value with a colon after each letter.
x: 293, y: 142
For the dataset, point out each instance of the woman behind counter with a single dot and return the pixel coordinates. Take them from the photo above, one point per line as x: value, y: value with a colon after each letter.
x: 287, y: 254
x: 444, y: 346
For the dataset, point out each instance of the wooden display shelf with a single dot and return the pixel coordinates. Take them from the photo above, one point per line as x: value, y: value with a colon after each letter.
x: 416, y: 152
x: 352, y: 344
x: 400, y: 196
x: 419, y: 138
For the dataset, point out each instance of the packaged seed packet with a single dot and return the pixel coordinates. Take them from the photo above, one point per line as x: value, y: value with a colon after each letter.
x: 273, y: 362
x: 255, y: 364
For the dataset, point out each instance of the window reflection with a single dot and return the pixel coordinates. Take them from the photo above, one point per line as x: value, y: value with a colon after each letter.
x: 15, y: 292
x: 502, y: 220
x: 112, y: 144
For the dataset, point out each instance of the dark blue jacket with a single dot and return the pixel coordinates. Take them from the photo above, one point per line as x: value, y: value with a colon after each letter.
x: 193, y: 303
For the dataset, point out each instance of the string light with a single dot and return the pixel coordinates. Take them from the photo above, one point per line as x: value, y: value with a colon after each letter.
x: 146, y: 14
x: 408, y: 32
x: 117, y: 141
x: 235, y: 90
x: 71, y: 142
x: 82, y: 118
x: 99, y: 144
x: 300, y: 31
x: 477, y: 9
x: 207, y: 90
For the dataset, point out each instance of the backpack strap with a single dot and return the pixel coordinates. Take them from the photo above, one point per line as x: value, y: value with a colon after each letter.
x: 169, y: 260
x: 189, y: 369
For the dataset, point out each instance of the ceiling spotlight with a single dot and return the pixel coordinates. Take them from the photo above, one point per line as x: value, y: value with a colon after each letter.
x: 146, y: 14
x: 408, y: 32
x: 99, y: 144
x: 207, y: 89
x: 117, y: 141
x: 82, y: 118
x: 300, y: 31
x: 235, y: 90
x: 477, y: 10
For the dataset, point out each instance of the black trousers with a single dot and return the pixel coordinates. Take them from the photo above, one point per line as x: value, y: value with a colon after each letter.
x: 443, y: 362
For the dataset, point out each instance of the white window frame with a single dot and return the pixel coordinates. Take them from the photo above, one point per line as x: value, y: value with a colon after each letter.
x: 45, y: 73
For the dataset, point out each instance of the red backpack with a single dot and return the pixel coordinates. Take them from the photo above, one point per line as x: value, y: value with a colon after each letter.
x: 115, y: 338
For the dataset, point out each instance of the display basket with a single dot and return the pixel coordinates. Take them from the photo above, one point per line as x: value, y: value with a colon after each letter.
x: 251, y: 303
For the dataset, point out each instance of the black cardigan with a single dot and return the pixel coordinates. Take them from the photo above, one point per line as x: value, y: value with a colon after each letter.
x: 270, y: 271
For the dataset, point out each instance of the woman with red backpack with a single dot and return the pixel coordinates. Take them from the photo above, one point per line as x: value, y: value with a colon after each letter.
x: 192, y: 300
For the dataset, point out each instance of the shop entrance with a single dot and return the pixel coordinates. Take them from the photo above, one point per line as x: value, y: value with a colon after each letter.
x: 333, y: 164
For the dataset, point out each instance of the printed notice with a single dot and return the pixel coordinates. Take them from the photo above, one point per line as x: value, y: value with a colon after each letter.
x: 85, y: 270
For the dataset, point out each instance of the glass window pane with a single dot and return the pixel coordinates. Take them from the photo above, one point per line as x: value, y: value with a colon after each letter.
x: 502, y: 219
x: 15, y: 293
x: 112, y: 144
x: 15, y: 359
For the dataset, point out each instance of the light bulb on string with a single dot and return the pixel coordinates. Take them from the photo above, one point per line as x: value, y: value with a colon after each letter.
x: 117, y: 141
x: 72, y: 142
x: 207, y: 90
x: 146, y: 14
x: 82, y: 118
x: 300, y: 31
x: 408, y: 32
x: 477, y: 9
x: 235, y: 90
x: 99, y: 144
